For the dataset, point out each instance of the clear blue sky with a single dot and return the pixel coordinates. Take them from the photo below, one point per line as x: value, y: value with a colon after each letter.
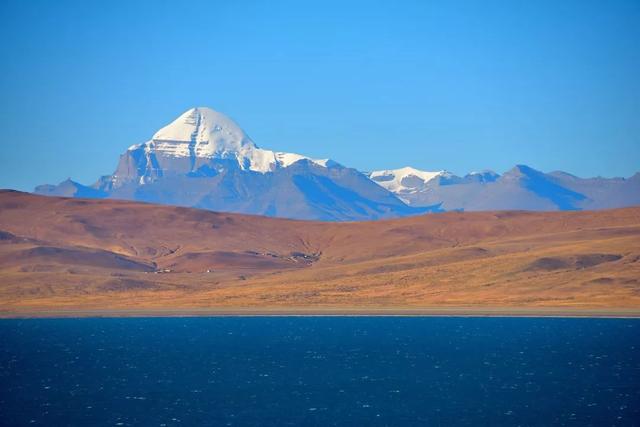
x: 458, y: 85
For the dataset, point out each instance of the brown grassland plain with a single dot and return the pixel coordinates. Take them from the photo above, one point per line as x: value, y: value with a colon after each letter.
x: 107, y: 257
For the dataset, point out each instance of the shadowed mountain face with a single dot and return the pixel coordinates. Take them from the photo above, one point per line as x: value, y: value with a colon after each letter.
x: 521, y: 188
x: 601, y: 193
x: 100, y: 254
x: 203, y: 159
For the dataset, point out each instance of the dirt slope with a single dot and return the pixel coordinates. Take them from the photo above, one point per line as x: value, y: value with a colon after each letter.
x: 104, y: 254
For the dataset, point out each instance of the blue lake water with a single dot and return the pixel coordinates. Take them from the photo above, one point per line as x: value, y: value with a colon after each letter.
x: 320, y: 371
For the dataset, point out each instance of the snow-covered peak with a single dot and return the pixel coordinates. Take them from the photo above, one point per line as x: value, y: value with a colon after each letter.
x: 204, y: 133
x: 405, y: 179
x: 206, y: 127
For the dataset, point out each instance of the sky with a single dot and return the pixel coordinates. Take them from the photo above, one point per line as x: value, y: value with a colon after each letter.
x: 456, y: 85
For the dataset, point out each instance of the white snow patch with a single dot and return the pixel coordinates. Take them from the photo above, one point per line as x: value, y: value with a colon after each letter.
x: 391, y: 179
x: 287, y: 159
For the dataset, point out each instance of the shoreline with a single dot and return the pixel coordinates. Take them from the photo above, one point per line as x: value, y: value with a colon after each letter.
x: 559, y: 312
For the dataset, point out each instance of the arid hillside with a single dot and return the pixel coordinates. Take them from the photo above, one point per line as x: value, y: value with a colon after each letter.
x: 77, y: 254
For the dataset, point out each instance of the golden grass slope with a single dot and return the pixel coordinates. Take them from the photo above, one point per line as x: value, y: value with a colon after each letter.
x: 58, y: 253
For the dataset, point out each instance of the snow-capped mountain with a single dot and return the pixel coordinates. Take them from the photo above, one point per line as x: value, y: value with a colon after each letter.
x: 193, y: 144
x: 204, y: 159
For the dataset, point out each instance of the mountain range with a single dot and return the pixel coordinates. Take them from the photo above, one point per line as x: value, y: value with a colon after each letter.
x: 203, y: 159
x: 520, y: 188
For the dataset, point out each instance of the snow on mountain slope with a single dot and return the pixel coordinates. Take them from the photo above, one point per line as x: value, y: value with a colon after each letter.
x: 405, y: 180
x: 207, y: 134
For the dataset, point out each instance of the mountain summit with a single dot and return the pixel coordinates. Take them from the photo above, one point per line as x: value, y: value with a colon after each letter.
x: 206, y: 134
x: 190, y: 143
